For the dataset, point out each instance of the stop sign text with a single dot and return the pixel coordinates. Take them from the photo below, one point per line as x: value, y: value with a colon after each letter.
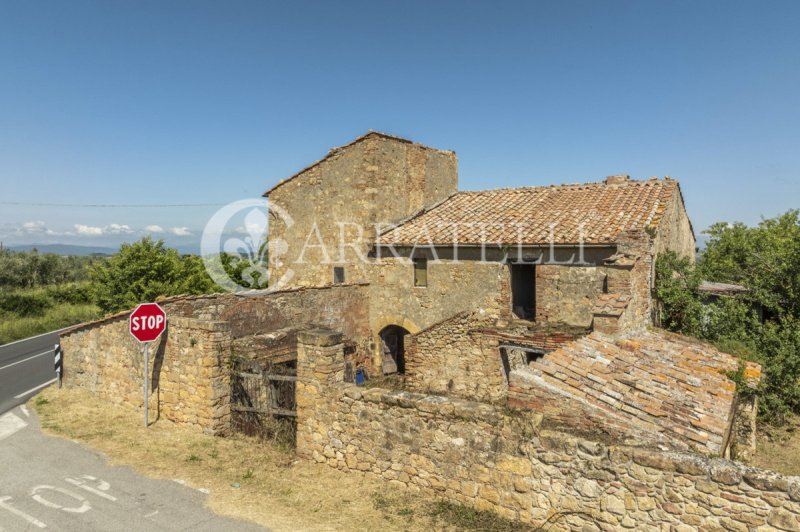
x: 147, y: 322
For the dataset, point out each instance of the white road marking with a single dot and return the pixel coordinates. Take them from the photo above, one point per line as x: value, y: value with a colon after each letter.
x: 20, y: 513
x: 9, y: 424
x: 51, y: 381
x: 151, y: 514
x: 84, y: 507
x: 102, y: 486
x: 37, y: 336
x: 26, y: 359
x: 25, y: 410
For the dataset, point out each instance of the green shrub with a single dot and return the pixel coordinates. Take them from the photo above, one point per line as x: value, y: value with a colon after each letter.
x: 24, y: 304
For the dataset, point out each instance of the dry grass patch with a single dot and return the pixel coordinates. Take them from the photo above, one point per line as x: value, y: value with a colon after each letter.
x: 248, y: 479
x: 778, y: 448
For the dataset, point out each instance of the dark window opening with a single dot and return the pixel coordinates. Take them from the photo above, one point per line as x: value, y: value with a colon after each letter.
x: 514, y: 358
x: 393, y: 345
x: 523, y: 290
x: 420, y: 272
x: 338, y: 274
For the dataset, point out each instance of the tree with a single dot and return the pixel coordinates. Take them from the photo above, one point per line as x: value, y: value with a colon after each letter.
x: 765, y: 259
x: 143, y: 271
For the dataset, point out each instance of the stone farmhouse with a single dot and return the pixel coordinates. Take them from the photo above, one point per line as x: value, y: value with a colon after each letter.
x: 517, y: 323
x: 471, y: 292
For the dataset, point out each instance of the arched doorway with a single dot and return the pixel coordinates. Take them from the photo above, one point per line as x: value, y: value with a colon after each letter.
x: 393, y: 349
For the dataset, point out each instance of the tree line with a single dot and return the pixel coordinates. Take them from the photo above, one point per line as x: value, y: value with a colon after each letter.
x: 31, y: 283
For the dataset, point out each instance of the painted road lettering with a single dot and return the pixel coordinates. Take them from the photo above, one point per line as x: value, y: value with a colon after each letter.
x: 19, y: 513
x: 54, y: 497
x: 36, y: 494
x: 102, y: 486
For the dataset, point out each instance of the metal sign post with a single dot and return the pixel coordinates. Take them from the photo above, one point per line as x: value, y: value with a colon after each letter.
x: 146, y: 323
x: 146, y: 356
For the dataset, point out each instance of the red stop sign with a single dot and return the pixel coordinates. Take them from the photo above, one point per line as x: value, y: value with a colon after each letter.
x: 147, y: 322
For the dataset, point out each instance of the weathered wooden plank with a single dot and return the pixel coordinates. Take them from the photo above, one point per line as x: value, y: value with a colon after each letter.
x: 261, y: 410
x: 284, y: 412
x: 256, y: 409
x: 287, y: 378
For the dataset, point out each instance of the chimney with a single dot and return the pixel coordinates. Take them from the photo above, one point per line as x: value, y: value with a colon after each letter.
x: 617, y: 179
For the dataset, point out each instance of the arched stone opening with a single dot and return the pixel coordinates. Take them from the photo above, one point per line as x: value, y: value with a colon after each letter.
x: 393, y: 349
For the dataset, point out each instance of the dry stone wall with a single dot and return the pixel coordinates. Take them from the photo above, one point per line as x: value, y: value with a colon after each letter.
x: 482, y: 456
x: 187, y: 369
x: 455, y: 358
x: 189, y: 364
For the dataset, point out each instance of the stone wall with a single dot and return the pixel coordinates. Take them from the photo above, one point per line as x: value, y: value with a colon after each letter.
x: 189, y: 381
x: 456, y: 358
x: 453, y: 287
x: 189, y: 363
x: 376, y: 180
x: 341, y: 307
x: 566, y: 294
x: 479, y: 455
x: 635, y: 280
x: 461, y: 356
x: 675, y: 230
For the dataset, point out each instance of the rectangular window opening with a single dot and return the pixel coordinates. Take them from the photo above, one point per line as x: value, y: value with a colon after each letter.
x: 523, y: 290
x: 338, y: 274
x: 420, y: 272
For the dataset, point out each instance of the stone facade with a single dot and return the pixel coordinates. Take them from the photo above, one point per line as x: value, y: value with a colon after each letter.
x: 373, y: 182
x: 566, y: 294
x: 675, y: 231
x: 482, y: 456
x: 381, y: 194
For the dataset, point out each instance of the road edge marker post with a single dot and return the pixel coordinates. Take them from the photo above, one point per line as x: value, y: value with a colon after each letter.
x: 146, y: 323
x: 58, y: 361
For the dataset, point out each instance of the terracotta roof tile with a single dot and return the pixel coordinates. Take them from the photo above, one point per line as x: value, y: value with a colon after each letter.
x: 660, y: 382
x: 525, y: 215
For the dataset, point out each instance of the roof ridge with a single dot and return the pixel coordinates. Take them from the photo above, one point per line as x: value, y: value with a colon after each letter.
x: 650, y: 181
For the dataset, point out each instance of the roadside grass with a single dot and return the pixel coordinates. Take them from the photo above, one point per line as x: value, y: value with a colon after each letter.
x: 250, y: 479
x: 778, y: 448
x: 18, y: 327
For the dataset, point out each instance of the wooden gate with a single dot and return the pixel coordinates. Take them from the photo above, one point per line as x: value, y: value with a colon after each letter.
x: 263, y: 398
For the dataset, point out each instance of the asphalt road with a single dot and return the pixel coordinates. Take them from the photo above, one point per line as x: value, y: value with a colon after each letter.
x: 26, y: 367
x: 49, y: 483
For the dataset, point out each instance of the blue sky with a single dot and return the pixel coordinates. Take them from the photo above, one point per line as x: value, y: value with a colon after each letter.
x: 112, y: 102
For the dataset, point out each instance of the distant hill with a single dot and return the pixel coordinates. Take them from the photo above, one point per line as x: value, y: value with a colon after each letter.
x: 65, y: 249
